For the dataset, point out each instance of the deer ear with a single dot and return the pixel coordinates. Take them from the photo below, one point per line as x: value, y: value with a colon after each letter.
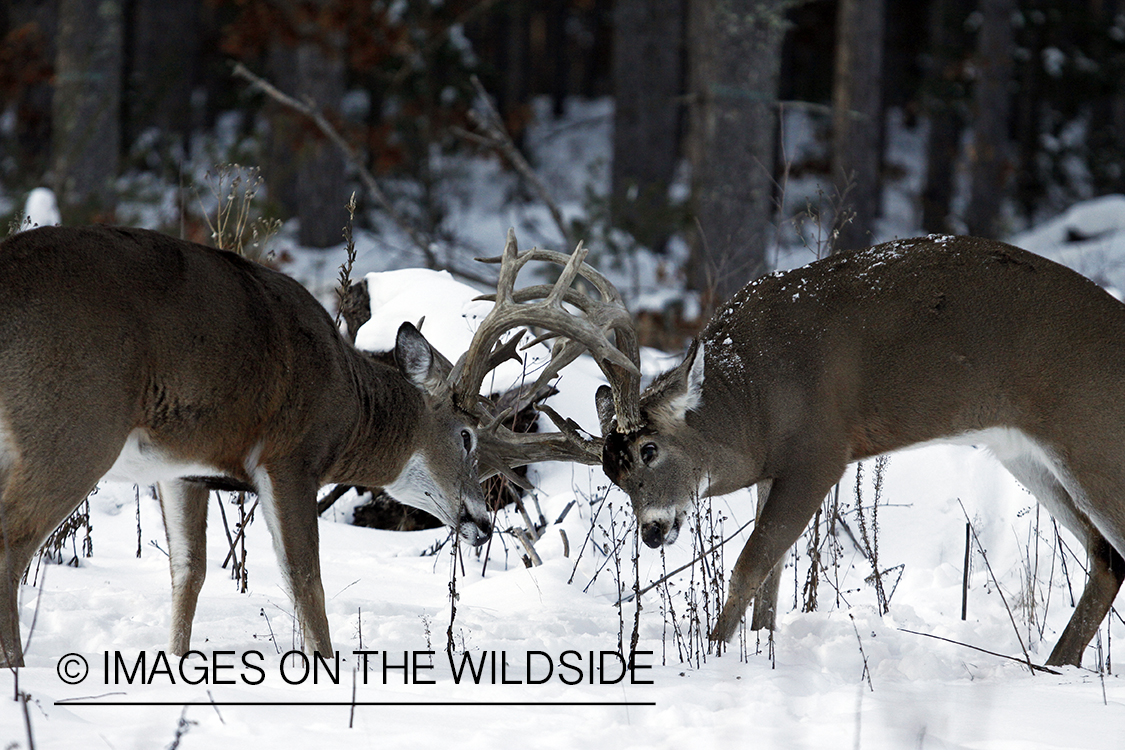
x: 419, y: 362
x: 692, y: 396
x: 607, y: 415
x: 684, y: 396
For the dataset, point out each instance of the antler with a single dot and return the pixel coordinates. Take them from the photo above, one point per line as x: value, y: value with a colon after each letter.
x: 542, y: 306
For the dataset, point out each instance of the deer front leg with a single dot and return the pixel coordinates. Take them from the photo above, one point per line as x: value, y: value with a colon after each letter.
x: 791, y: 503
x: 184, y: 507
x: 29, y: 511
x: 290, y: 510
x: 765, y: 601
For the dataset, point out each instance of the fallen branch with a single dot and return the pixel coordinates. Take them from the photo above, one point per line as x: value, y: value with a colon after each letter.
x: 1034, y: 667
x: 308, y: 109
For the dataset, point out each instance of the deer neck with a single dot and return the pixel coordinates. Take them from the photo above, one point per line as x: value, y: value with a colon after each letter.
x: 724, y: 431
x: 380, y: 424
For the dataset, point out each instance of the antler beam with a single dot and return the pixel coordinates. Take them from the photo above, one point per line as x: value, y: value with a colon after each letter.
x: 544, y: 307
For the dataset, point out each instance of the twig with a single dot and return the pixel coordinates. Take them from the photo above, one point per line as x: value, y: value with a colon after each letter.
x: 685, y: 566
x: 215, y: 706
x: 866, y: 668
x: 27, y: 720
x: 991, y: 575
x: 1034, y: 667
x: 494, y: 134
x: 345, y: 277
x: 241, y: 533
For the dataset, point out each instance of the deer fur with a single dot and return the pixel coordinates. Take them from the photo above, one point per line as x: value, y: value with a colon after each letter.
x: 131, y: 355
x: 866, y: 352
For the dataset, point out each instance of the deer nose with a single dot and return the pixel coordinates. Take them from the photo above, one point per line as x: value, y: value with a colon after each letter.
x: 475, y: 531
x: 652, y: 533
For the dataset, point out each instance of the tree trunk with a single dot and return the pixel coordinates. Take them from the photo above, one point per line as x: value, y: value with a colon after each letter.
x: 734, y: 53
x: 305, y: 172
x: 647, y: 79
x: 34, y: 21
x: 990, y: 161
x: 161, y: 66
x: 557, y: 50
x: 86, y: 136
x: 943, y: 91
x: 857, y: 119
x: 321, y: 189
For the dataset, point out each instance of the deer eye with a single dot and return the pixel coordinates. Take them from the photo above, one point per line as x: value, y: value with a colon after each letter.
x: 467, y: 440
x: 648, y: 453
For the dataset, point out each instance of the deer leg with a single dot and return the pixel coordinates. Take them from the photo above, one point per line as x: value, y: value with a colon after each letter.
x: 1107, y: 571
x: 791, y: 503
x: 184, y: 507
x: 28, y: 514
x: 290, y: 506
x: 765, y: 601
x: 1107, y: 568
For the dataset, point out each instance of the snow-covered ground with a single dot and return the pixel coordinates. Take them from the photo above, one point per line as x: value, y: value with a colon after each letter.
x: 840, y: 677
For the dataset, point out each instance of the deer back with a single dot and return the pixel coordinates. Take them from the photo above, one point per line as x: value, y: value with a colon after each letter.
x: 870, y: 351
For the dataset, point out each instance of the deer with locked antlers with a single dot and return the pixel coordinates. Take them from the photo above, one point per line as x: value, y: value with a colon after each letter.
x: 130, y: 355
x: 939, y: 338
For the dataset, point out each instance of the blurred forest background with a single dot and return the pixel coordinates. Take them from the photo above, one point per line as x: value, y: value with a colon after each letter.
x: 1022, y: 101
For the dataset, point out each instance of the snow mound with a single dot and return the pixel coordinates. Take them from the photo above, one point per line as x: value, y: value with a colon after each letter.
x: 1089, y: 237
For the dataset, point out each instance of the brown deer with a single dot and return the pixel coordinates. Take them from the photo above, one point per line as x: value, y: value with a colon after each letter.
x: 867, y: 352
x: 127, y: 354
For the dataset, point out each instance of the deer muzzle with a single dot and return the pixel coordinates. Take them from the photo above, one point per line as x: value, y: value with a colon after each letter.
x: 474, y: 531
x: 660, y: 531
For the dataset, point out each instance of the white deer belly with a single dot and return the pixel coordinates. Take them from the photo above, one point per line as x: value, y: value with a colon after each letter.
x: 143, y: 462
x: 1038, y: 468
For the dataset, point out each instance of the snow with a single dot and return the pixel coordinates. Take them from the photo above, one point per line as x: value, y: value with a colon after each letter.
x: 383, y: 595
x: 840, y: 676
x: 1089, y: 237
x: 41, y: 209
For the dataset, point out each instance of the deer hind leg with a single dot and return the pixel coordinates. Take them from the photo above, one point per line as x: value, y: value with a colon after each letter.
x: 184, y: 507
x: 290, y: 510
x: 1107, y: 571
x: 29, y: 511
x: 1107, y: 568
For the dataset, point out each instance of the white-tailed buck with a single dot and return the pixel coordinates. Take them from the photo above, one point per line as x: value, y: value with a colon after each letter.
x: 127, y: 354
x: 866, y: 352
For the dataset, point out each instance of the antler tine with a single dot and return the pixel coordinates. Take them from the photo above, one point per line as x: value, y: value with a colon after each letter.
x: 501, y: 448
x: 509, y: 269
x: 570, y: 271
x: 545, y: 311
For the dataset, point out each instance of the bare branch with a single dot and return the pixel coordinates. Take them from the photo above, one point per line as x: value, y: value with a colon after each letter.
x: 495, y: 135
x: 309, y: 110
